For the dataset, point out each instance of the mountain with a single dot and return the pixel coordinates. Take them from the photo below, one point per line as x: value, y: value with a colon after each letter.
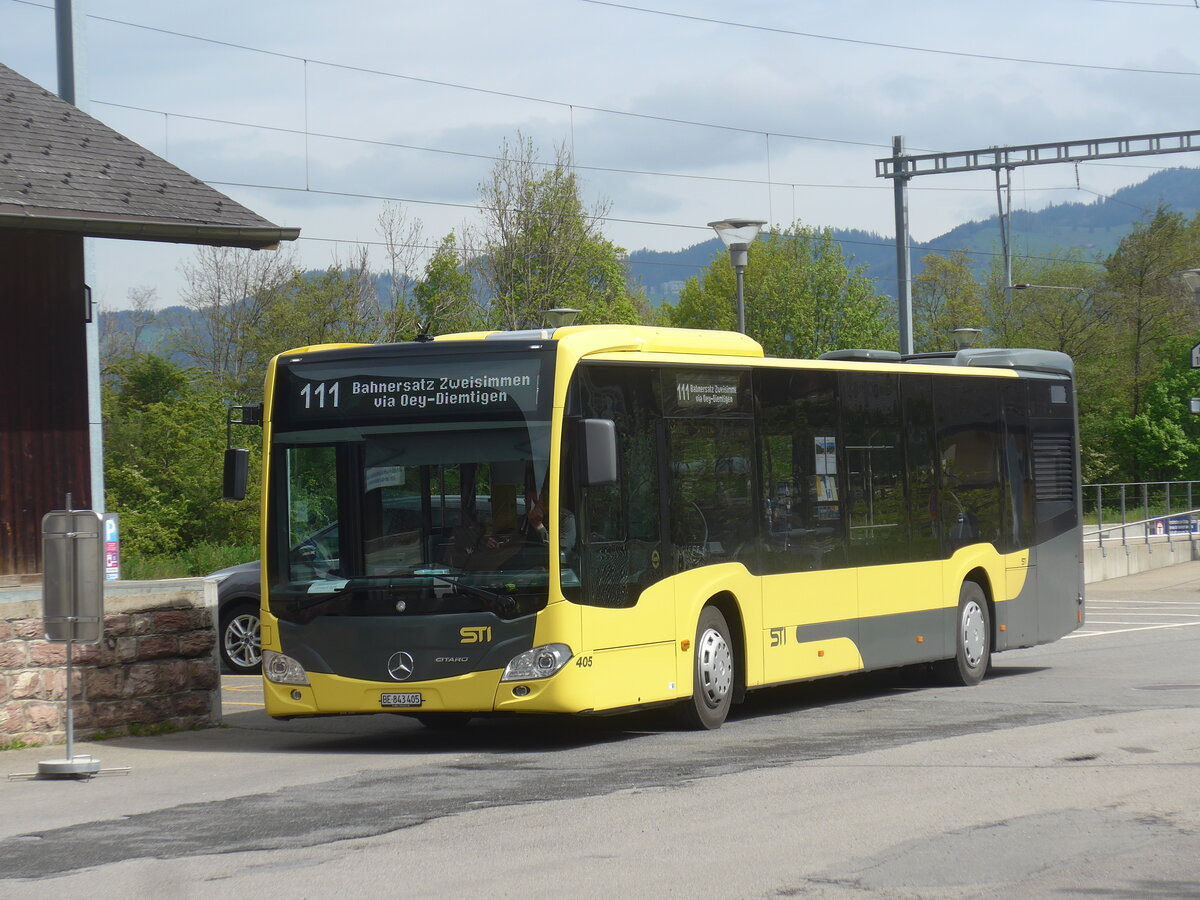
x: 1096, y: 228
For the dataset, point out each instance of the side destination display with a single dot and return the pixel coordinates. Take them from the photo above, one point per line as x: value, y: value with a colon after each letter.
x: 487, y: 386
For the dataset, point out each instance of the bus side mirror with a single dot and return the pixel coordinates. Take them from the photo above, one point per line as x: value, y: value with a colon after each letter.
x: 237, y: 466
x: 598, y: 438
x: 237, y: 462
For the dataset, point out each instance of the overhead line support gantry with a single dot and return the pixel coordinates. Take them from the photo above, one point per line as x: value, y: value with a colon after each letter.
x: 902, y: 167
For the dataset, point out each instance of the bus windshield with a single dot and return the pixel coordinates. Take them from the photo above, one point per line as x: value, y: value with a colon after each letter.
x: 440, y: 518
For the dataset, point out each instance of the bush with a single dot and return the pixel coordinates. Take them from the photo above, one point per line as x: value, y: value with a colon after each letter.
x: 195, y: 561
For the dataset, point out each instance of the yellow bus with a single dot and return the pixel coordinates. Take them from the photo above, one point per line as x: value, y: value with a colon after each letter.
x: 593, y: 519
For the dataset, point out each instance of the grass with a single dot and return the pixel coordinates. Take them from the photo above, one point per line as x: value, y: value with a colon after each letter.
x: 15, y: 744
x: 195, y: 561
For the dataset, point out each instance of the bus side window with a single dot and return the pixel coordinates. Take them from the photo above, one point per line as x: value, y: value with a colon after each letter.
x: 969, y: 445
x: 920, y: 451
x: 618, y: 550
x: 874, y: 452
x: 802, y: 502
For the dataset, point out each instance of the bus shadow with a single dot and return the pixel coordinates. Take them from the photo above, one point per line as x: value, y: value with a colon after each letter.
x: 253, y: 732
x: 854, y: 688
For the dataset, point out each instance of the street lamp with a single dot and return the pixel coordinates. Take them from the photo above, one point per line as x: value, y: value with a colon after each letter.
x: 965, y: 338
x: 738, y: 235
x: 1051, y: 287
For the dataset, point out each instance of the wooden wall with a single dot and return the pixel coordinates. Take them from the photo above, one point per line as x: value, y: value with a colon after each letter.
x: 43, y: 390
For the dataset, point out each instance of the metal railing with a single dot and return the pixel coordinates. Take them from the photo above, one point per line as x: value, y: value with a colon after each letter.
x: 1160, y: 510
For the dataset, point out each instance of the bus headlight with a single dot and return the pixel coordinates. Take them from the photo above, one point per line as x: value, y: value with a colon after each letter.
x: 282, y: 669
x: 540, y: 662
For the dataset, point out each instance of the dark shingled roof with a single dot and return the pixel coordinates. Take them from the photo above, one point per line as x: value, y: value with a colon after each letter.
x: 62, y: 170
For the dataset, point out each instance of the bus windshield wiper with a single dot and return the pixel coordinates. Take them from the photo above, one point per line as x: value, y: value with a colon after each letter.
x: 321, y: 592
x: 506, y: 603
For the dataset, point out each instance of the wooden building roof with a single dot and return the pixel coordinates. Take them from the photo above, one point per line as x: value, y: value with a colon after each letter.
x: 62, y: 170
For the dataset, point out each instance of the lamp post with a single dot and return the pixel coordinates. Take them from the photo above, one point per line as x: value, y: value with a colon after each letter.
x: 738, y: 235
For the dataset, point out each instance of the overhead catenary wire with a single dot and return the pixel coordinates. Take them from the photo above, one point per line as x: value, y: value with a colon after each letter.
x: 991, y: 57
x: 571, y: 106
x: 376, y: 142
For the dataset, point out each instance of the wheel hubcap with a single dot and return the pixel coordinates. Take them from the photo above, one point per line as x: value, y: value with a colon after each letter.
x: 243, y: 643
x: 715, y: 667
x: 974, y: 638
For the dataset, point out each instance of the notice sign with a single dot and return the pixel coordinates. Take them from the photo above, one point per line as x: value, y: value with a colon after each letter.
x: 435, y: 392
x: 406, y: 388
x: 705, y: 389
x: 112, y: 548
x: 1196, y: 357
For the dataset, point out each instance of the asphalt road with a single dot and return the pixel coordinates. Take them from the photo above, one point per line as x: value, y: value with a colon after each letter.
x: 1073, y: 771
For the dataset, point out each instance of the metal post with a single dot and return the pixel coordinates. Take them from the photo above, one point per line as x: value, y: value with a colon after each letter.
x: 1124, y: 517
x: 1004, y: 203
x: 70, y: 706
x: 1100, y: 515
x: 903, y: 271
x: 64, y: 32
x: 70, y: 29
x: 1170, y: 540
x: 741, y: 298
x: 1146, y: 510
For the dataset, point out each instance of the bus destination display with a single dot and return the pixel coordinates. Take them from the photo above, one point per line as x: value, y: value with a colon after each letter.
x: 426, y: 388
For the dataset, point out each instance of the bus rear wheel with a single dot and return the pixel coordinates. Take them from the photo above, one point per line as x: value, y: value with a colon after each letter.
x: 972, y: 639
x: 713, y: 671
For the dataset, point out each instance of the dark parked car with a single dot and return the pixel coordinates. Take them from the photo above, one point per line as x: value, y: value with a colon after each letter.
x: 238, y: 598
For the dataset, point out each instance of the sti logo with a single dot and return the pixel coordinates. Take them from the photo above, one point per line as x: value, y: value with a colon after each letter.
x: 475, y: 634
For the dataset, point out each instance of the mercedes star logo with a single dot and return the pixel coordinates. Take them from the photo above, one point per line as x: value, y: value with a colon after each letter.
x: 400, y: 665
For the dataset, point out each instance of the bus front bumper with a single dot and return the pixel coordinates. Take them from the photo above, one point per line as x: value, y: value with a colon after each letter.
x: 475, y: 692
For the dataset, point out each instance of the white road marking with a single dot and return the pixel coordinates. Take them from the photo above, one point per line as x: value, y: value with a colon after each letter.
x: 1076, y: 634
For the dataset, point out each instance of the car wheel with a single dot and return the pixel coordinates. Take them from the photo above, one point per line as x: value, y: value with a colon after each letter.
x: 241, y: 639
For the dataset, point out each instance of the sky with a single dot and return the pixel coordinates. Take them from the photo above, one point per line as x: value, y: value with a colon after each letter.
x: 318, y: 115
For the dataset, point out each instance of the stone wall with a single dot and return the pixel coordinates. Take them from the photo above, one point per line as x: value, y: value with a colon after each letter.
x: 156, y: 664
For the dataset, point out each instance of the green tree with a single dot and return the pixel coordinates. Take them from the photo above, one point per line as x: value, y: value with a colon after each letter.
x: 164, y: 439
x: 945, y: 296
x: 339, y: 305
x: 1062, y: 304
x: 1162, y: 441
x: 230, y: 293
x: 802, y: 298
x: 1149, y: 303
x: 443, y: 298
x: 541, y: 247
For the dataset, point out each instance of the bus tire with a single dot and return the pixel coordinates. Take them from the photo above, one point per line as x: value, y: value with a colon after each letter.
x: 972, y: 639
x: 713, y: 673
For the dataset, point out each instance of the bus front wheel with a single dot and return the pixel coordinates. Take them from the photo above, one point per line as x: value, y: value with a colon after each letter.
x: 972, y: 639
x: 712, y: 673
